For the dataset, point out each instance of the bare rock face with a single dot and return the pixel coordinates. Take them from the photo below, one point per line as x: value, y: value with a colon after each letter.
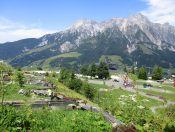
x: 66, y: 47
x: 135, y: 38
x: 136, y: 28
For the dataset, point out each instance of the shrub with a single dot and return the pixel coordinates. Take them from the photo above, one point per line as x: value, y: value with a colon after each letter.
x: 89, y: 91
x: 75, y: 84
x: 13, y: 119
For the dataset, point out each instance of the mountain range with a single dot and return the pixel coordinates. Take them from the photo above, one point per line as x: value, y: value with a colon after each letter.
x: 132, y: 41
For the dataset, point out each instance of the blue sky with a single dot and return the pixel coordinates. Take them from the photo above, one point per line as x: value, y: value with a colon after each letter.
x: 33, y: 18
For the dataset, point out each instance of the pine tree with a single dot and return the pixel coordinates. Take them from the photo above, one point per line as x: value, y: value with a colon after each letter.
x: 157, y: 73
x: 84, y: 70
x: 142, y: 73
x: 20, y: 79
x: 92, y: 70
x: 103, y: 71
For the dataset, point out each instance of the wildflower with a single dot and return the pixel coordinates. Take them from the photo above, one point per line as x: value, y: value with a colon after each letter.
x: 133, y: 99
x: 122, y: 96
x: 141, y: 107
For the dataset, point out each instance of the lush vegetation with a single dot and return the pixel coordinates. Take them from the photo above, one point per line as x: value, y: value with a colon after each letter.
x: 25, y: 119
x: 68, y: 78
x: 125, y: 106
x: 142, y: 73
x: 167, y: 96
x: 5, y: 67
x: 157, y: 73
x: 11, y: 93
x: 135, y: 109
x: 20, y: 78
x: 57, y: 60
x: 101, y: 71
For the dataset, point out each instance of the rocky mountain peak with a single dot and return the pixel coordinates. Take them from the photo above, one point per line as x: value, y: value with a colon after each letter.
x: 138, y: 18
x: 83, y: 23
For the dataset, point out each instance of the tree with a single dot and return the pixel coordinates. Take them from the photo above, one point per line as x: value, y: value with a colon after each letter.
x: 84, y: 70
x: 20, y: 79
x: 65, y: 75
x: 68, y: 78
x: 102, y: 71
x: 47, y: 74
x: 54, y: 74
x: 92, y: 70
x: 142, y: 73
x: 88, y: 91
x: 75, y: 84
x: 157, y: 73
x: 39, y: 68
x: 132, y: 70
x: 125, y: 69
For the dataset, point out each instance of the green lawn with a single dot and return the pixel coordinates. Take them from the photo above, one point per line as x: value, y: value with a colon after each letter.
x: 45, y: 120
x: 46, y: 62
x: 11, y: 92
x: 113, y: 58
x: 166, y: 87
x: 67, y: 92
x: 75, y: 121
x: 97, y: 86
x: 108, y: 99
x: 70, y: 54
x: 168, y: 96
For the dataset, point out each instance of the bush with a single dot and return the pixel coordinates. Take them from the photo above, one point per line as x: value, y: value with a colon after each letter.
x: 89, y: 91
x: 157, y: 73
x: 20, y: 78
x: 142, y: 73
x: 24, y: 119
x: 75, y: 84
x: 102, y: 71
x: 13, y: 119
x: 71, y: 121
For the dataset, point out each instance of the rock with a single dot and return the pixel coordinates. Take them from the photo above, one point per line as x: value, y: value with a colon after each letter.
x: 81, y: 102
x: 71, y: 106
x: 60, y: 96
x: 22, y: 91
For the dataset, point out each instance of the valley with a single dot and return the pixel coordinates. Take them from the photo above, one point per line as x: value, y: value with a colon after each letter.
x: 87, y: 66
x: 110, y: 101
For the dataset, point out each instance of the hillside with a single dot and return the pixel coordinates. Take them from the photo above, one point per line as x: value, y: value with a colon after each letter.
x: 133, y: 39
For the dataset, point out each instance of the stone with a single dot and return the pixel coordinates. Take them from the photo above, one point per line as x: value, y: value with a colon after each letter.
x: 71, y: 106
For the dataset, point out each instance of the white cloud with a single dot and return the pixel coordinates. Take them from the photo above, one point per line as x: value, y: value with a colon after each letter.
x: 12, y: 31
x: 161, y: 11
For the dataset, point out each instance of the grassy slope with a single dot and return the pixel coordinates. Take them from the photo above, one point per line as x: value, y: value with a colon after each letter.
x: 12, y: 92
x: 32, y: 51
x: 62, y: 89
x: 146, y: 50
x: 112, y: 97
x: 67, y: 121
x: 166, y: 87
x: 97, y: 86
x: 114, y: 58
x: 45, y: 63
x: 168, y: 96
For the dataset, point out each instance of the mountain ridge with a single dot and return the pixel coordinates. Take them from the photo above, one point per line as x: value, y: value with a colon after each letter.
x: 130, y: 38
